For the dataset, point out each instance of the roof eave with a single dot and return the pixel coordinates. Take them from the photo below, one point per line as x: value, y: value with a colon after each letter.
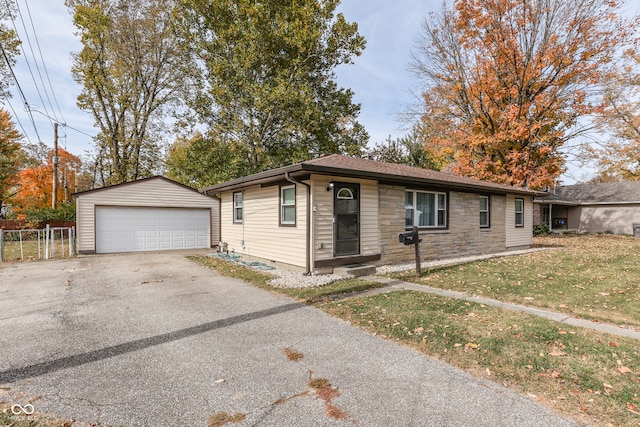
x: 329, y: 170
x: 276, y: 174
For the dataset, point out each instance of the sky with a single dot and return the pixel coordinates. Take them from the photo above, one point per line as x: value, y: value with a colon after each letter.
x: 380, y: 77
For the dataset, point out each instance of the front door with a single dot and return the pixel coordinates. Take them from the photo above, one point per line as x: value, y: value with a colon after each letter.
x: 346, y: 219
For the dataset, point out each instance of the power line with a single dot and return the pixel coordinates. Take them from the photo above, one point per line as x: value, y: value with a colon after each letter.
x: 15, y: 116
x: 24, y: 99
x: 44, y: 65
x: 62, y: 123
x: 26, y: 60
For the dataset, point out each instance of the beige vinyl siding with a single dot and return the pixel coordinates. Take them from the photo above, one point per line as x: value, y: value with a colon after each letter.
x: 260, y: 233
x: 153, y: 192
x: 618, y: 219
x: 519, y: 236
x: 322, y: 233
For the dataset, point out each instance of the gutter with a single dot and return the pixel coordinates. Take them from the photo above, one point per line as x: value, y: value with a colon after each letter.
x: 307, y: 270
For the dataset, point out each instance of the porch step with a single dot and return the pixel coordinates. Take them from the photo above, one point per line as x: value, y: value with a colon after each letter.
x: 355, y: 270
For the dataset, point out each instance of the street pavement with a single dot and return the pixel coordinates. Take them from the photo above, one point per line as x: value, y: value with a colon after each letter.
x: 153, y: 339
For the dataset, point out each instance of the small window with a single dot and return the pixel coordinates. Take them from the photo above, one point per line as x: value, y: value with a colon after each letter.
x: 519, y: 212
x: 237, y: 207
x: 345, y: 194
x: 425, y: 209
x: 484, y: 212
x: 288, y: 205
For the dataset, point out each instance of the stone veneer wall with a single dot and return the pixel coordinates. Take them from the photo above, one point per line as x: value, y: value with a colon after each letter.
x: 463, y: 237
x: 537, y: 214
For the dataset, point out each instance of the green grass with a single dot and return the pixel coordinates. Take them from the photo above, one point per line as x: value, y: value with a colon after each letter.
x: 581, y: 373
x: 594, y: 277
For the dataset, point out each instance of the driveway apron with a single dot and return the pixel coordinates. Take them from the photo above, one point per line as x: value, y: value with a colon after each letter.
x: 153, y: 339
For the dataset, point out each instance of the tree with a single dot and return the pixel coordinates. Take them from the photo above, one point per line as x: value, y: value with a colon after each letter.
x: 619, y: 157
x: 131, y: 71
x: 35, y: 183
x: 9, y: 48
x: 268, y: 83
x: 10, y: 158
x: 509, y: 82
x: 409, y: 150
x: 202, y: 160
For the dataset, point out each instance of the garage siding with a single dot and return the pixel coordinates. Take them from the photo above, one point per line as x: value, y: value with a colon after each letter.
x: 150, y: 192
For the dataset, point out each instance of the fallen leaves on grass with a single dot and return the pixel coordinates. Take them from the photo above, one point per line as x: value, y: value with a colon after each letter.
x: 624, y: 370
x: 633, y: 408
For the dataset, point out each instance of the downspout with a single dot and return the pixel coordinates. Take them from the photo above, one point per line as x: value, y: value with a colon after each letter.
x: 307, y: 270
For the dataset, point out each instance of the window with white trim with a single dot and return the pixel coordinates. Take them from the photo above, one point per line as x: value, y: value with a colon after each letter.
x: 288, y: 205
x: 238, y: 204
x: 425, y: 209
x: 485, y: 219
x: 519, y: 212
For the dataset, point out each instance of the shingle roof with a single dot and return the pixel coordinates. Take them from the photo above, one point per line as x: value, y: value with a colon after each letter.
x: 336, y: 164
x: 606, y: 192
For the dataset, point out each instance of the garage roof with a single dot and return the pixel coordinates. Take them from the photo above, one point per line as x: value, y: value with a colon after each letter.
x: 157, y: 177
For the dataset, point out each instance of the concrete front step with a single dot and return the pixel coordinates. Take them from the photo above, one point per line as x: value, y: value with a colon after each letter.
x: 356, y: 270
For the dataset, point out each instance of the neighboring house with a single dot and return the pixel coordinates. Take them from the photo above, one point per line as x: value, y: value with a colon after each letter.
x: 145, y: 215
x: 336, y: 210
x: 591, y: 208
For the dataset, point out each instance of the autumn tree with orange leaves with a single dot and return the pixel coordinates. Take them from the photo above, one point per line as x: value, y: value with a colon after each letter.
x: 508, y: 82
x: 618, y: 158
x: 36, y: 183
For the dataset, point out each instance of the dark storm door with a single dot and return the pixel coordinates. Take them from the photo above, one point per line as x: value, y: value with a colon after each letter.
x: 346, y: 219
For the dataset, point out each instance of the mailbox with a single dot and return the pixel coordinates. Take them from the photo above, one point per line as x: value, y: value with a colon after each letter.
x: 409, y: 238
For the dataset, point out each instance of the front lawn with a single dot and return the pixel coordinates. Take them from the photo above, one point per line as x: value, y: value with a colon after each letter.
x: 589, y: 376
x: 594, y: 277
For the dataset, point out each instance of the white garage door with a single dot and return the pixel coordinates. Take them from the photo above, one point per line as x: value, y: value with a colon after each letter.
x: 128, y: 229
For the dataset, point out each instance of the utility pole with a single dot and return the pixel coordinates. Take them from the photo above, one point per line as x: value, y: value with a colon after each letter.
x: 55, y: 166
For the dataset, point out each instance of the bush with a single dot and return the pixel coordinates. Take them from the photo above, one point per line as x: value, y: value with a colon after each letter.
x: 541, y: 230
x: 41, y: 215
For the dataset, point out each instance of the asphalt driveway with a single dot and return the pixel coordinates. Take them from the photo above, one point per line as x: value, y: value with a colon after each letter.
x: 155, y: 340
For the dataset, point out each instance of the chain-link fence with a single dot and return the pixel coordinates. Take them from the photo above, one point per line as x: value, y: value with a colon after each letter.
x: 35, y: 244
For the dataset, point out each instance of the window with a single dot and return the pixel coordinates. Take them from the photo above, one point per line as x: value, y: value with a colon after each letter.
x: 237, y: 207
x: 485, y: 221
x: 519, y: 212
x: 425, y: 209
x: 288, y: 205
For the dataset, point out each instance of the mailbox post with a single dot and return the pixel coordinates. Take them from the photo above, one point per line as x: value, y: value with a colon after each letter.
x: 413, y: 238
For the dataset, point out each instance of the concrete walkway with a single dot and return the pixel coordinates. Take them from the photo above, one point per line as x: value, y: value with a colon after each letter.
x: 392, y: 285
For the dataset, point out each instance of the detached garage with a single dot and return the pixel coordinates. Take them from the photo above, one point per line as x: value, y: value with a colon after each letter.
x: 150, y: 214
